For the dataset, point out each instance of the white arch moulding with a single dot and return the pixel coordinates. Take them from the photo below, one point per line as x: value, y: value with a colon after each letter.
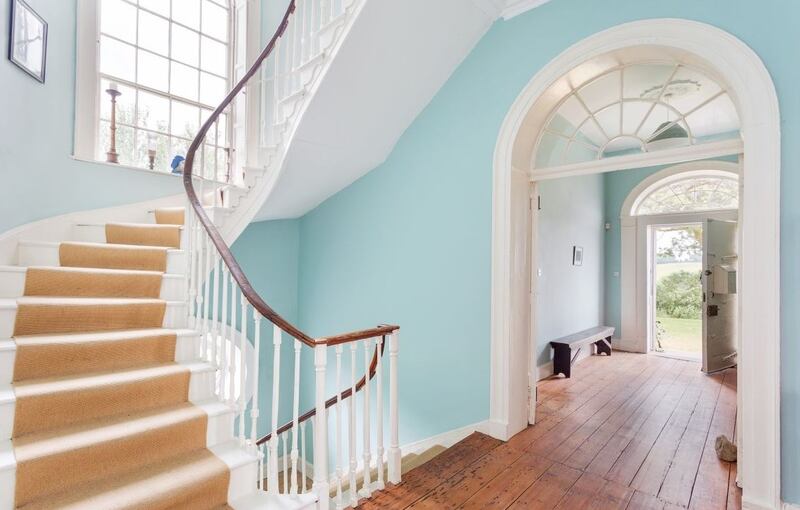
x: 753, y: 93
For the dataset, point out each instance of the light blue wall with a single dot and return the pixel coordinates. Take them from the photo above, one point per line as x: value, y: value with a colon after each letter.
x: 569, y: 297
x: 269, y: 255
x: 410, y: 242
x: 39, y: 177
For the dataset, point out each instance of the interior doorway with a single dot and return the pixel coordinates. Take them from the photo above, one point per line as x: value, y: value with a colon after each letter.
x: 676, y: 290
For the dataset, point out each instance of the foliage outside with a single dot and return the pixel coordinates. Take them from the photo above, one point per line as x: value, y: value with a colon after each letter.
x: 679, y: 295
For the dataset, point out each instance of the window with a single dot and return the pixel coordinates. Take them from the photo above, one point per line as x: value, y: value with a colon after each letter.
x: 699, y: 193
x: 634, y: 108
x: 170, y: 59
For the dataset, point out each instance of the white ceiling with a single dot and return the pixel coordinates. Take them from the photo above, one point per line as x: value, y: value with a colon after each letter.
x: 394, y: 60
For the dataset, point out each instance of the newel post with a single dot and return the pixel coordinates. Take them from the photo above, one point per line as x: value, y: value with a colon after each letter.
x: 394, y: 456
x: 321, y: 484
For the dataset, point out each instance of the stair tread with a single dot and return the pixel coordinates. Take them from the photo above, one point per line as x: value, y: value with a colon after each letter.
x: 148, y: 487
x: 108, y: 429
x: 104, y: 336
x: 101, y: 245
x: 92, y: 270
x: 164, y: 226
x: 88, y: 301
x: 34, y: 387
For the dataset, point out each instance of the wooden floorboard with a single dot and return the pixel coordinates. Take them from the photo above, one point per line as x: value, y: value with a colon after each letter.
x: 627, y: 432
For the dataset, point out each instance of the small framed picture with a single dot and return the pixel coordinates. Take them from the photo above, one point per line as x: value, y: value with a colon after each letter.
x: 577, y: 255
x: 27, y: 40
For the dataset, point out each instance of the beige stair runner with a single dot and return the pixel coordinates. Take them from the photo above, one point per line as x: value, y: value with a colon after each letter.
x: 102, y: 417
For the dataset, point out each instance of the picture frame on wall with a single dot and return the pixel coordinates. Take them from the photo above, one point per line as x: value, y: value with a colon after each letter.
x: 577, y: 255
x: 27, y: 40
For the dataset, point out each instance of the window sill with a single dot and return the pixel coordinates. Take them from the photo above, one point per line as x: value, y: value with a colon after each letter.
x: 139, y: 169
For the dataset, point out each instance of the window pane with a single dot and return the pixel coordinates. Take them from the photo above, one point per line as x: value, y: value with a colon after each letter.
x: 178, y: 147
x: 153, y: 71
x: 214, y: 57
x: 125, y: 103
x: 184, y: 81
x: 215, y: 20
x: 153, y: 112
x: 118, y: 18
x: 187, y: 12
x: 117, y: 59
x: 185, y: 119
x: 162, y: 151
x: 212, y: 89
x: 159, y: 6
x: 222, y: 165
x: 185, y: 45
x: 153, y: 33
x: 692, y: 194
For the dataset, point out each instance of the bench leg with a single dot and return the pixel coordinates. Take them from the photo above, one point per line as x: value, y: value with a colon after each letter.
x: 562, y: 360
x: 604, y: 346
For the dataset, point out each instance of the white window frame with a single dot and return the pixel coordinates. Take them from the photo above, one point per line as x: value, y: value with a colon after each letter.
x: 88, y: 76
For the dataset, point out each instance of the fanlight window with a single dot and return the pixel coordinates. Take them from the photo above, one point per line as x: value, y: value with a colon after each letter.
x: 708, y: 193
x: 636, y: 108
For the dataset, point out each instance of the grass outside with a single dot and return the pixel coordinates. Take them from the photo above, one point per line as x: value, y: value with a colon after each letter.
x: 682, y: 335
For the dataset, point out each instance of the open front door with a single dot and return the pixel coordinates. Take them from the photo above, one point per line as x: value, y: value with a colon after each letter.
x: 719, y: 295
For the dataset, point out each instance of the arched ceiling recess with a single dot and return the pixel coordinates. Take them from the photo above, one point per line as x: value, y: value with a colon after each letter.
x: 636, y: 100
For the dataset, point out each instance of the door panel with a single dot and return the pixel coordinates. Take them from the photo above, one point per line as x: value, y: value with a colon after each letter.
x: 719, y: 295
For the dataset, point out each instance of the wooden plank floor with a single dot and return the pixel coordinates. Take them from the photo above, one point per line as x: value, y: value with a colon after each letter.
x: 628, y: 432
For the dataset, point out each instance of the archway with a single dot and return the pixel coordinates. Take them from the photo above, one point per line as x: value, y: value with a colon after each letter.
x: 753, y: 93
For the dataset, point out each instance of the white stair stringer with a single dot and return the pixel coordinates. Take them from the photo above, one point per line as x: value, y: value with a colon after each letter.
x: 246, y: 202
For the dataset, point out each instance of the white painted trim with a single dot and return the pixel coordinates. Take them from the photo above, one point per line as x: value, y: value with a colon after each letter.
x: 86, y: 66
x: 446, y: 439
x: 645, y: 159
x: 492, y: 8
x: 517, y: 7
x: 789, y: 506
x: 753, y: 92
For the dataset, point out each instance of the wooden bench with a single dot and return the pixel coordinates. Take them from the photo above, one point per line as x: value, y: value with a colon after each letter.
x: 563, y: 358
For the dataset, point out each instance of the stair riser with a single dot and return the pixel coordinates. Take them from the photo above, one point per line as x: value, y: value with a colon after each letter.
x: 201, y: 389
x: 12, y: 285
x: 186, y: 350
x: 97, y: 234
x: 174, y: 317
x: 243, y: 480
x: 47, y: 255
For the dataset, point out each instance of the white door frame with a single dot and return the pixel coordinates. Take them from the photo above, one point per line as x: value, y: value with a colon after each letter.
x: 753, y: 93
x: 634, y: 312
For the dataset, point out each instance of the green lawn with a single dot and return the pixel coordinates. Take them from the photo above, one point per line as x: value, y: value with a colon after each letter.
x: 681, y: 334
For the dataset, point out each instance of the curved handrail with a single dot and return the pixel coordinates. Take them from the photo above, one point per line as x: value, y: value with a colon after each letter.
x: 373, y: 368
x: 224, y: 251
x: 248, y: 292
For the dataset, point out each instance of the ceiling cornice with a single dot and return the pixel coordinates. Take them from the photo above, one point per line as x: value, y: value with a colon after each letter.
x: 515, y: 7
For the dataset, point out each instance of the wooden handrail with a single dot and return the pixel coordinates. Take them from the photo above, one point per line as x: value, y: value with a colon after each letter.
x: 373, y: 367
x: 224, y: 251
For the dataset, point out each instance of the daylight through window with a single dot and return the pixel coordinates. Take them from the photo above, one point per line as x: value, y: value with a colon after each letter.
x: 171, y: 62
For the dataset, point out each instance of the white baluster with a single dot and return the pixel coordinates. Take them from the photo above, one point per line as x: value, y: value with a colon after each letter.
x: 379, y: 413
x: 242, y: 371
x: 303, y: 486
x: 352, y: 427
x: 272, y: 472
x: 198, y: 278
x: 297, y: 47
x: 255, y: 365
x: 289, y: 62
x: 232, y: 343
x: 207, y: 295
x: 365, y: 487
x: 224, y: 362
x: 295, y: 414
x: 260, y: 483
x: 215, y: 310
x: 321, y: 483
x: 394, y: 435
x: 285, y: 463
x: 189, y: 229
x: 339, y: 452
x: 325, y: 11
x: 314, y: 22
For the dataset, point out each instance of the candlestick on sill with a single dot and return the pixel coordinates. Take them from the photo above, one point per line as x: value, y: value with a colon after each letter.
x: 151, y: 150
x: 113, y: 91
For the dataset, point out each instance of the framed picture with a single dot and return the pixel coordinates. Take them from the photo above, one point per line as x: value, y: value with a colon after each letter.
x: 577, y: 255
x: 27, y: 40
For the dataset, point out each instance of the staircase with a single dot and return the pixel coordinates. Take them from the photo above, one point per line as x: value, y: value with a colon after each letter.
x: 131, y: 352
